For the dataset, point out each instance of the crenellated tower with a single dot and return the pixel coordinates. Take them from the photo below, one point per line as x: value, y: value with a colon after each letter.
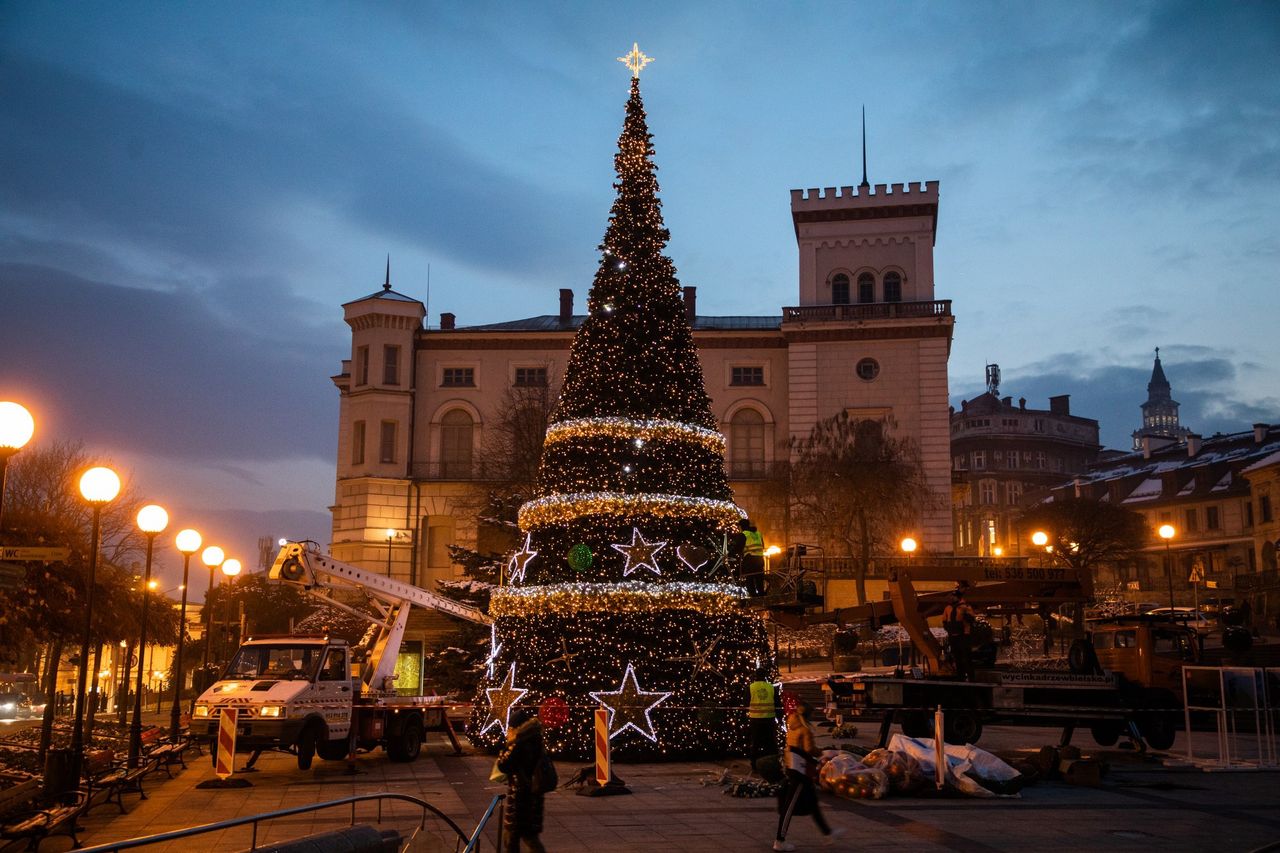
x: 869, y: 325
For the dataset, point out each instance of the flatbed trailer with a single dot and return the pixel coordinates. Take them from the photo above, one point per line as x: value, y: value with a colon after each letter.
x: 1102, y: 703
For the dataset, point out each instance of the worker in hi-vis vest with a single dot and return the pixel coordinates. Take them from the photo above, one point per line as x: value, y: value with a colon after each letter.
x: 762, y: 716
x: 752, y: 558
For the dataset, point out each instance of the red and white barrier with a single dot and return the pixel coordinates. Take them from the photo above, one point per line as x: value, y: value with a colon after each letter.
x: 225, y: 762
x: 604, y: 770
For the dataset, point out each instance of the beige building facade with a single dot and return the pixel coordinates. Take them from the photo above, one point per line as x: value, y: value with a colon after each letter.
x: 867, y: 336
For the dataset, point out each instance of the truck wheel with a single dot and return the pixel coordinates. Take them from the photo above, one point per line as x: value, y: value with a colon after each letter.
x: 915, y: 724
x: 308, y: 742
x: 1159, y: 731
x: 961, y: 727
x: 408, y: 745
x: 1106, y: 732
x: 333, y: 750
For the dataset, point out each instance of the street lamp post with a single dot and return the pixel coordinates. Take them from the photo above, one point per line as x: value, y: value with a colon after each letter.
x: 98, y: 486
x: 1167, y: 532
x: 16, y: 429
x: 152, y: 520
x: 188, y: 542
x: 230, y: 568
x: 391, y: 534
x: 212, y: 557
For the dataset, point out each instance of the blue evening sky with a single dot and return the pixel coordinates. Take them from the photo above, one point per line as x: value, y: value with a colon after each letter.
x: 189, y: 191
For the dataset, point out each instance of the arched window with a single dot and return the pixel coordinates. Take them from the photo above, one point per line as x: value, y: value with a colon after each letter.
x: 892, y: 287
x: 866, y: 288
x: 840, y: 289
x: 746, y: 444
x: 456, y: 429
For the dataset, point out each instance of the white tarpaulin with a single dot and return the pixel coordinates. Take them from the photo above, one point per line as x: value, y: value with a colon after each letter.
x: 964, y: 764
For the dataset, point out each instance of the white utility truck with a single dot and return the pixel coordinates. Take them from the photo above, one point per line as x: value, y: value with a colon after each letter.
x: 304, y: 693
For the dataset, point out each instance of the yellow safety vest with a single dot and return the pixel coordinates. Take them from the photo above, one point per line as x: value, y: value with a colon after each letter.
x: 755, y: 543
x: 761, y: 707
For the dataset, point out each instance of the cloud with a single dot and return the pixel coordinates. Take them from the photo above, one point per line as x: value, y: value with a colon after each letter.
x: 210, y: 187
x: 166, y: 373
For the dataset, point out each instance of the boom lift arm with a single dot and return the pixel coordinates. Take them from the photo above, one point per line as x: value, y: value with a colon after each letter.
x: 1009, y: 585
x: 321, y: 576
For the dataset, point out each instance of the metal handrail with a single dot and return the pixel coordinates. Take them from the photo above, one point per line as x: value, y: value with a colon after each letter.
x: 158, y: 838
x: 473, y: 843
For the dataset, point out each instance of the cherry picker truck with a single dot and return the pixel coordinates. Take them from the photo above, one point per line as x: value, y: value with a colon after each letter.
x: 303, y: 693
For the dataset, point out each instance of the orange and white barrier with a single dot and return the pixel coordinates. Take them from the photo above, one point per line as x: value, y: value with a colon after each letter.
x: 225, y: 762
x: 604, y: 770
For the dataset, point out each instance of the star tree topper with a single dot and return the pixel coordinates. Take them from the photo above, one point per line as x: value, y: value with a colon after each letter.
x: 635, y: 60
x: 640, y: 554
x: 629, y: 706
x: 502, y: 699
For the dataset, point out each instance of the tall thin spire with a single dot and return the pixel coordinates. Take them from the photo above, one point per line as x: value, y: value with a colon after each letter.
x: 864, y: 148
x: 386, y: 285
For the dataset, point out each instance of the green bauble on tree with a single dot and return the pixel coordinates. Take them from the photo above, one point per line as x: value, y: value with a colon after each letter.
x: 622, y: 596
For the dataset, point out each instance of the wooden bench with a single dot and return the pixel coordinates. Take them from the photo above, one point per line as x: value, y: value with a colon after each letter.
x: 102, y: 772
x: 25, y: 815
x: 162, y: 753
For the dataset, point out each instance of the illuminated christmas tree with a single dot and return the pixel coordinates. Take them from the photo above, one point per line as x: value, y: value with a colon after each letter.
x: 622, y: 594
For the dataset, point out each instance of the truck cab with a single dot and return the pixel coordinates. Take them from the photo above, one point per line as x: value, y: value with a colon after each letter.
x: 287, y: 691
x: 1149, y: 653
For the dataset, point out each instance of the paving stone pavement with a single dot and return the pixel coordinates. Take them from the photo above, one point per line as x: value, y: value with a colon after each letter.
x: 1142, y: 806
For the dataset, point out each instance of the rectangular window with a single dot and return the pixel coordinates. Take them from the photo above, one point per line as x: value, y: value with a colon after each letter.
x: 1211, y: 521
x: 458, y: 377
x: 1264, y: 507
x: 357, y: 443
x: 387, y: 444
x: 1041, y: 460
x: 1014, y: 491
x: 1039, y: 424
x: 1192, y: 519
x: 746, y: 376
x: 979, y: 460
x: 1012, y: 459
x: 390, y: 365
x: 362, y: 365
x: 987, y: 492
x: 531, y: 377
x: 1248, y: 513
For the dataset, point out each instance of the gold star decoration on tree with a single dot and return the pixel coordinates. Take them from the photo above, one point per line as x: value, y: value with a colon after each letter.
x: 520, y: 560
x: 640, y: 554
x: 566, y: 656
x: 635, y: 60
x: 502, y: 699
x: 629, y: 706
x: 701, y: 659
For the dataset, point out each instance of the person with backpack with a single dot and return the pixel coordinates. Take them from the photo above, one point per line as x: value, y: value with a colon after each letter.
x: 958, y: 620
x: 530, y: 776
x: 799, y: 796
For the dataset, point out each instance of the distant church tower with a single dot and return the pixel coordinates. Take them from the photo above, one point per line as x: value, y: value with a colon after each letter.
x: 1160, y: 412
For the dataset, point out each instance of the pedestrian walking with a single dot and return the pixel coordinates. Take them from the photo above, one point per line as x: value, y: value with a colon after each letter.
x: 799, y: 796
x: 524, y: 760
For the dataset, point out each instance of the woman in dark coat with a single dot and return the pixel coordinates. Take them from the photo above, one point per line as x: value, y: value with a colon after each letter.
x: 519, y: 760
